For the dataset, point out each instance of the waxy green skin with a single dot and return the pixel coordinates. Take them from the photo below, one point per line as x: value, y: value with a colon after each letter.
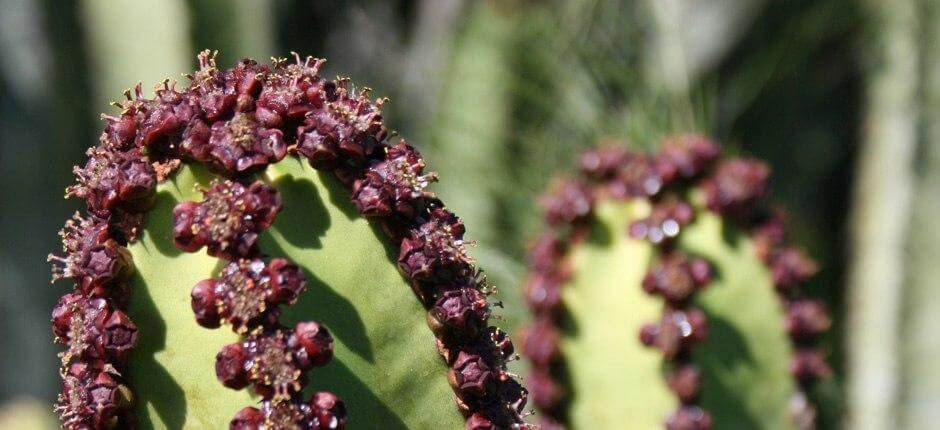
x: 386, y: 368
x: 615, y: 382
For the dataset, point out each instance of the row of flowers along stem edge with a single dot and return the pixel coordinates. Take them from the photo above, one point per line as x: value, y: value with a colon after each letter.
x: 735, y: 189
x: 236, y: 122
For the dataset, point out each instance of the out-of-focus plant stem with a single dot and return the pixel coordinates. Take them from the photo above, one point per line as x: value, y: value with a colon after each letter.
x: 920, y: 395
x: 159, y: 49
x: 237, y: 28
x: 882, y: 207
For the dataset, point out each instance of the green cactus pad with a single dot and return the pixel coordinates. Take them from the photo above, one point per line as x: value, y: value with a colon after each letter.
x: 385, y: 368
x: 615, y: 382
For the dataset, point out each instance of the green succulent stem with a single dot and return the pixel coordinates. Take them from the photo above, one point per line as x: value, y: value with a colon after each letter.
x: 385, y: 367
x: 745, y: 383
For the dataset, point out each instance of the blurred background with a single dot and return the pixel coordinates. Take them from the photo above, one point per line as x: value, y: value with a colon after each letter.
x: 839, y: 96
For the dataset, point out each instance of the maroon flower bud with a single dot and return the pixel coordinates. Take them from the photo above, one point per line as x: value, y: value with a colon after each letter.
x: 459, y: 313
x: 89, y: 399
x: 195, y: 141
x: 92, y: 257
x: 543, y: 390
x: 186, y: 228
x: 435, y: 250
x: 637, y: 177
x: 502, y: 343
x: 119, y: 336
x: 514, y: 395
x: 63, y: 313
x: 321, y: 150
x: 344, y: 122
x: 664, y: 222
x: 287, y: 281
x: 769, y: 234
x: 242, y: 294
x: 80, y: 324
x: 230, y: 366
x: 648, y: 334
x: 287, y: 414
x: 329, y: 410
x: 241, y: 145
x: 103, y: 393
x: 119, y: 131
x: 215, y: 94
x: 393, y: 185
x: 356, y: 121
x: 676, y: 277
x: 689, y: 418
x: 736, y: 187
x: 539, y: 342
x: 248, y: 418
x: 790, y: 266
x: 228, y: 219
x: 111, y: 180
x: 808, y: 365
x: 163, y: 119
x: 807, y: 318
x: 470, y: 375
x: 676, y: 332
x: 479, y: 422
x: 568, y: 202
x: 602, y: 164
x: 273, y: 369
x: 543, y: 293
x: 137, y: 189
x: 205, y: 304
x: 316, y: 344
x: 685, y: 381
x: 547, y: 253
x: 685, y: 156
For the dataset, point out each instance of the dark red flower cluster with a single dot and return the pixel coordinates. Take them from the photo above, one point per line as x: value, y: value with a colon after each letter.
x: 540, y: 339
x: 569, y: 202
x: 228, y: 220
x: 324, y: 411
x: 733, y: 188
x: 116, y: 185
x: 247, y: 293
x: 676, y: 277
x: 394, y: 185
x: 433, y: 255
x: 237, y: 122
x: 613, y: 172
x: 736, y: 187
x: 274, y: 361
x: 664, y: 223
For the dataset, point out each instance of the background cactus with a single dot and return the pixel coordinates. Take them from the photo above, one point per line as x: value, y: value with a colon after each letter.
x: 240, y: 123
x: 679, y: 252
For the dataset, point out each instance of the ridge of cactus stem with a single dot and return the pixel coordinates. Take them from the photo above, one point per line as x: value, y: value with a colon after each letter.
x: 239, y: 123
x: 717, y: 257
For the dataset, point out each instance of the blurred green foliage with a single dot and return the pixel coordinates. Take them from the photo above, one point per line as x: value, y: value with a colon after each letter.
x: 512, y: 90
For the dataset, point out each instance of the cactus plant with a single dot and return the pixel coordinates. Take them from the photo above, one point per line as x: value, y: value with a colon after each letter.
x: 267, y: 168
x: 663, y: 292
